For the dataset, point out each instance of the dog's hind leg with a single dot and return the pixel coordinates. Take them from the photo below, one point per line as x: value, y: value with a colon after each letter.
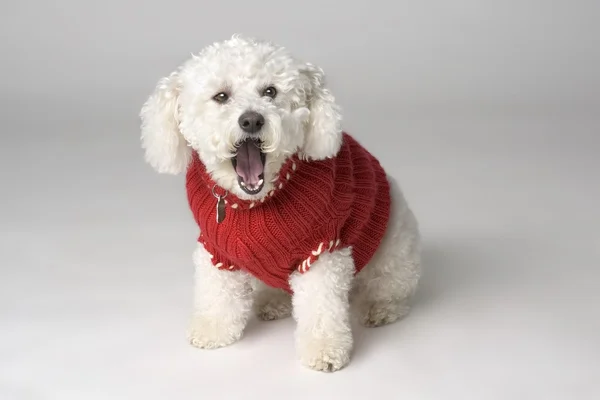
x: 383, y: 288
x: 271, y: 303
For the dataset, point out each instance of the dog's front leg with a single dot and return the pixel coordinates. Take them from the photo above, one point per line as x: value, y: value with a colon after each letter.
x: 321, y: 309
x: 222, y: 303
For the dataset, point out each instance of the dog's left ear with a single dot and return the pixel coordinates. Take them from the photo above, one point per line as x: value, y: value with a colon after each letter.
x: 324, y: 132
x: 166, y: 150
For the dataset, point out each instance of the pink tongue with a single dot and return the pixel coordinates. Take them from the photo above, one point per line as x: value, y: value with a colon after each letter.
x: 249, y: 165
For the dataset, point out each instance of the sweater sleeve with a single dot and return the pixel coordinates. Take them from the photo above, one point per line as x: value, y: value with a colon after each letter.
x: 312, y: 253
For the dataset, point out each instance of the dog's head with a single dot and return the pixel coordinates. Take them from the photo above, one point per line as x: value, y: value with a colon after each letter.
x: 244, y: 106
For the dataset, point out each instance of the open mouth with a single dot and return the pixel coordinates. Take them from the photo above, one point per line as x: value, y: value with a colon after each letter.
x: 249, y: 164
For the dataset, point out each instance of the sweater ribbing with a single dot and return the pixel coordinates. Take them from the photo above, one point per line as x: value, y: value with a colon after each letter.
x: 316, y: 206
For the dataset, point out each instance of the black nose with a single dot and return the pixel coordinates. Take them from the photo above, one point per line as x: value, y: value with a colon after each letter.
x: 251, y: 121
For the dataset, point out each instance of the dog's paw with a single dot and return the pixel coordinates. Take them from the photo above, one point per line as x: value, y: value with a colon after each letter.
x: 383, y: 313
x: 275, y: 307
x: 206, y: 333
x: 327, y: 355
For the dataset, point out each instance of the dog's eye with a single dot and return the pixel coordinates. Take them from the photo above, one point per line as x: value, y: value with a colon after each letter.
x: 270, y: 92
x: 221, y: 97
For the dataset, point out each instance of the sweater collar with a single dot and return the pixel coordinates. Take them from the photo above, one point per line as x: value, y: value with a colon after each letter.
x: 286, y: 172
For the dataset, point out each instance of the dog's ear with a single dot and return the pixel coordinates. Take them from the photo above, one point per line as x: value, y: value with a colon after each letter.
x: 166, y: 150
x: 324, y: 132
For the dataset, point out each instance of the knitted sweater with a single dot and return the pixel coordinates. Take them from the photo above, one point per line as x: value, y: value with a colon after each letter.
x: 315, y: 207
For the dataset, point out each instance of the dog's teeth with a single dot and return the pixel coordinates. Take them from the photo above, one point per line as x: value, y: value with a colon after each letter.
x: 243, y: 183
x: 260, y: 182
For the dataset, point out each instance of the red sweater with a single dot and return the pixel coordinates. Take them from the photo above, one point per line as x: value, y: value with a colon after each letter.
x: 316, y: 206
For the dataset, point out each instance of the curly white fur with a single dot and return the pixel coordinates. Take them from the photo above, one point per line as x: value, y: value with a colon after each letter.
x: 303, y: 119
x: 180, y: 113
x: 321, y: 307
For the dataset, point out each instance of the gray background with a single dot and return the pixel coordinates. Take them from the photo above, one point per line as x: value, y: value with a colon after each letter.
x: 486, y: 111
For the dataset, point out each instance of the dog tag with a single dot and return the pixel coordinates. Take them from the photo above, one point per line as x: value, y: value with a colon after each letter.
x: 220, y: 209
x: 220, y: 205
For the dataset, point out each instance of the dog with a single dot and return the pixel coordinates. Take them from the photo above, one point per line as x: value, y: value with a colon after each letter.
x: 296, y: 217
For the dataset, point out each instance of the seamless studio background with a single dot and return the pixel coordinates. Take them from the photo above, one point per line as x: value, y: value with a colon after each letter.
x: 487, y: 112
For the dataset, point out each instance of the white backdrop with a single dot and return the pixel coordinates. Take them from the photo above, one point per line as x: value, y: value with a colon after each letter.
x: 408, y: 56
x: 487, y: 112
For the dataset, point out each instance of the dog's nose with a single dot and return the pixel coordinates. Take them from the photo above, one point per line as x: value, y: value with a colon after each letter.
x: 251, y: 121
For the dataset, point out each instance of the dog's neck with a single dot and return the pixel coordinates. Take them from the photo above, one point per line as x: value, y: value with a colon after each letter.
x: 286, y: 172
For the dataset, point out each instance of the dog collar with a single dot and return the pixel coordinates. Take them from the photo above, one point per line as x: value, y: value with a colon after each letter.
x: 224, y: 199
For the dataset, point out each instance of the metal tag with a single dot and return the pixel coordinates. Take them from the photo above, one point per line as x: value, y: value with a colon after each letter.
x: 220, y: 204
x: 220, y: 209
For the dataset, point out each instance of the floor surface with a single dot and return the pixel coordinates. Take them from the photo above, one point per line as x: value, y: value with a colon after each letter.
x: 96, y: 281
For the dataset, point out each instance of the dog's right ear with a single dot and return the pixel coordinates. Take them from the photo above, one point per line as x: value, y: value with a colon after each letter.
x: 166, y: 150
x: 324, y: 132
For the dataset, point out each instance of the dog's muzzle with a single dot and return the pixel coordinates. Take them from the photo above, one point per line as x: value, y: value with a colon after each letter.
x: 249, y: 160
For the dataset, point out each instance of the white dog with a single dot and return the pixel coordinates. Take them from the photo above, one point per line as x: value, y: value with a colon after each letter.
x: 295, y: 217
